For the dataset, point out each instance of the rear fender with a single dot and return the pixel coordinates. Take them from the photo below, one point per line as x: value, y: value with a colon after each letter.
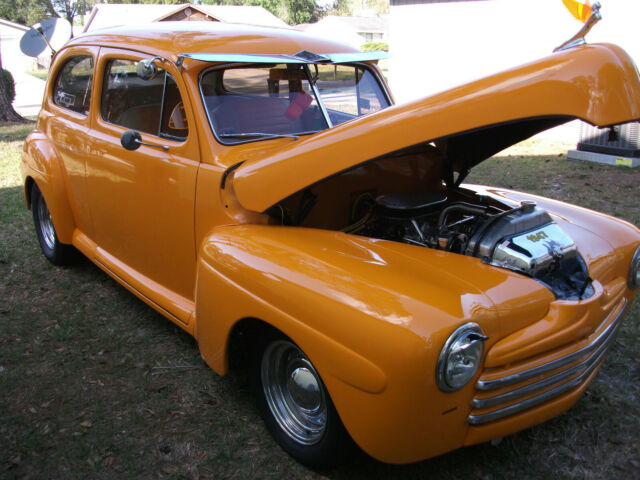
x: 41, y: 164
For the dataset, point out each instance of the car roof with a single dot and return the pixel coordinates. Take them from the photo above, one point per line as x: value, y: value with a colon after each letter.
x: 169, y: 39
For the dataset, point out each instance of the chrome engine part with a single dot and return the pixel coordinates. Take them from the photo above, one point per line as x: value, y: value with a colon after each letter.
x: 524, y: 239
x: 534, y: 252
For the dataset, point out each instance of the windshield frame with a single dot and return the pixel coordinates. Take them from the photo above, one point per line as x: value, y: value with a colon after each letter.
x: 316, y: 94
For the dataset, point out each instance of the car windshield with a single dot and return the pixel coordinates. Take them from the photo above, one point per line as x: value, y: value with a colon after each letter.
x: 258, y: 102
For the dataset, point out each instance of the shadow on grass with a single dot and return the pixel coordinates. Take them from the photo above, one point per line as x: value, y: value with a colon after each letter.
x: 12, y: 132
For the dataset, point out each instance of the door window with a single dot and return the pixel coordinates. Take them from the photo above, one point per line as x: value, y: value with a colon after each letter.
x: 151, y: 106
x: 72, y: 88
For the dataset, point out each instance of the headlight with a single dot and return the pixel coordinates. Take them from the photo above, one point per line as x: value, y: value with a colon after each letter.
x: 634, y: 270
x: 460, y: 357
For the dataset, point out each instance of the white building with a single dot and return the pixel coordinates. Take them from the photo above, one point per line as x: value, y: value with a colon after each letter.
x: 438, y: 44
x: 353, y: 31
x: 12, y: 58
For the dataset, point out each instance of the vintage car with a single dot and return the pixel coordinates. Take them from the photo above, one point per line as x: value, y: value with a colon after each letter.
x: 259, y: 187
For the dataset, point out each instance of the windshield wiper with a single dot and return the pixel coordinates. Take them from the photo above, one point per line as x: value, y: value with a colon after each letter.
x: 258, y: 135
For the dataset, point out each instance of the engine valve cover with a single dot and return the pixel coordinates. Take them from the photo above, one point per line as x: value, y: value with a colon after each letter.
x: 536, y: 251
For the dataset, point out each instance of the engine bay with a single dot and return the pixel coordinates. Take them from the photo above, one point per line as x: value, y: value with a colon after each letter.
x: 524, y: 239
x: 404, y: 199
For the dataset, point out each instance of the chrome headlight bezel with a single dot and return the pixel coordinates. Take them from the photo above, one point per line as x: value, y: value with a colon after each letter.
x: 459, y: 342
x: 634, y: 270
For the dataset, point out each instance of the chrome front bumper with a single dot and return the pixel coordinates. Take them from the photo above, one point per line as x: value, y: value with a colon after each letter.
x: 534, y: 386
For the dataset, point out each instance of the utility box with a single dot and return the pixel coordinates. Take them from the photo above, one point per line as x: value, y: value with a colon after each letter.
x: 617, y: 140
x: 616, y: 145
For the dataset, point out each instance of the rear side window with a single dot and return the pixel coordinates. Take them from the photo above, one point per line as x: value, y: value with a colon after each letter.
x: 151, y: 106
x: 72, y: 88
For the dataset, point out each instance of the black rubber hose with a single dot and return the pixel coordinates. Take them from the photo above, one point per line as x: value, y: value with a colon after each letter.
x: 459, y: 207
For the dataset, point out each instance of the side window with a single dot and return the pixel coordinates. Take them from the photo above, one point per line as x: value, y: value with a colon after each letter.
x: 152, y: 106
x: 72, y: 88
x: 349, y: 91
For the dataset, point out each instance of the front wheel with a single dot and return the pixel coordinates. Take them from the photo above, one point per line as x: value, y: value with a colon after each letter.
x: 56, y: 252
x: 295, y: 404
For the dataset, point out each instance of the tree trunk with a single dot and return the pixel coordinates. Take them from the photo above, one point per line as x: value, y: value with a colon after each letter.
x: 7, y: 113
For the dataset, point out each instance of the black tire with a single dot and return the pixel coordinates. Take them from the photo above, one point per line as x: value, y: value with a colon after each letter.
x: 56, y: 252
x: 326, y: 443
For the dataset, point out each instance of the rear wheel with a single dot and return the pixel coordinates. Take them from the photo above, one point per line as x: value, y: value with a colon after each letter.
x: 56, y: 252
x: 295, y: 404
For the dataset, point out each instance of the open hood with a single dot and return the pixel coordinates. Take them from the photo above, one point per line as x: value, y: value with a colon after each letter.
x: 595, y: 83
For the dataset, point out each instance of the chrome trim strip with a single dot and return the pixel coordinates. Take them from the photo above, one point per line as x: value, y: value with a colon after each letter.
x: 466, y: 330
x: 537, y: 400
x: 319, y: 99
x: 348, y: 57
x: 547, y: 367
x: 241, y: 58
x: 545, y: 382
x: 597, y: 351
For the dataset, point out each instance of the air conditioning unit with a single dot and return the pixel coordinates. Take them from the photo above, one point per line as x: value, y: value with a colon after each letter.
x: 617, y: 140
x: 616, y: 145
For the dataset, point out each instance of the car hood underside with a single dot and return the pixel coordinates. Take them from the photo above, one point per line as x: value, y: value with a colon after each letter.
x: 596, y: 83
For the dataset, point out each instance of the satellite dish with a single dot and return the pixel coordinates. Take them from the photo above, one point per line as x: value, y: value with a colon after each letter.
x: 52, y: 33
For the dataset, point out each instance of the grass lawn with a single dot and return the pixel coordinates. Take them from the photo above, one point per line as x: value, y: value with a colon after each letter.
x: 81, y: 398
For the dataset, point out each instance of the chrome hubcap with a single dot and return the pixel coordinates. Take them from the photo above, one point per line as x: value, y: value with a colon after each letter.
x: 46, y: 225
x: 294, y: 392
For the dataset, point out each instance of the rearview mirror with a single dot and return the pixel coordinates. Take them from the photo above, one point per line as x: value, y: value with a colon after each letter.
x: 131, y: 140
x: 146, y: 69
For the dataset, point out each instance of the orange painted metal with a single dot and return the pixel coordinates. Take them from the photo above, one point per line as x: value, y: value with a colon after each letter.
x: 372, y: 315
x: 597, y: 83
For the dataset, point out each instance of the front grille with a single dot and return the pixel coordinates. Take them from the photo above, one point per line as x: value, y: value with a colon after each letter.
x: 553, y: 378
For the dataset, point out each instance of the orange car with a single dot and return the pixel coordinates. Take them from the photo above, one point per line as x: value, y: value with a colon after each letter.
x: 259, y: 186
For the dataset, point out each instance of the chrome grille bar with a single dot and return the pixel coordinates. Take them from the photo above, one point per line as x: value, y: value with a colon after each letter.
x: 545, y: 382
x: 595, y: 351
x: 554, y: 365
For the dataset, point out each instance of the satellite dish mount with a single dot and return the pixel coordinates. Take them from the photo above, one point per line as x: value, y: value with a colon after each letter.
x: 52, y: 33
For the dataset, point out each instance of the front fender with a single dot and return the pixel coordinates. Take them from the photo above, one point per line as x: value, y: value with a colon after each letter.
x: 371, y: 315
x: 41, y: 164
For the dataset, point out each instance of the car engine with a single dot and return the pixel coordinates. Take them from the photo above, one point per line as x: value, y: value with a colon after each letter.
x: 524, y: 239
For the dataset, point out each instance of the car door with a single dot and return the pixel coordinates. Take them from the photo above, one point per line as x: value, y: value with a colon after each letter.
x: 142, y: 201
x: 67, y: 119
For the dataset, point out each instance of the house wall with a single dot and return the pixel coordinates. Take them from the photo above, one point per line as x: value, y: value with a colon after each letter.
x: 188, y: 14
x: 12, y: 58
x: 438, y: 45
